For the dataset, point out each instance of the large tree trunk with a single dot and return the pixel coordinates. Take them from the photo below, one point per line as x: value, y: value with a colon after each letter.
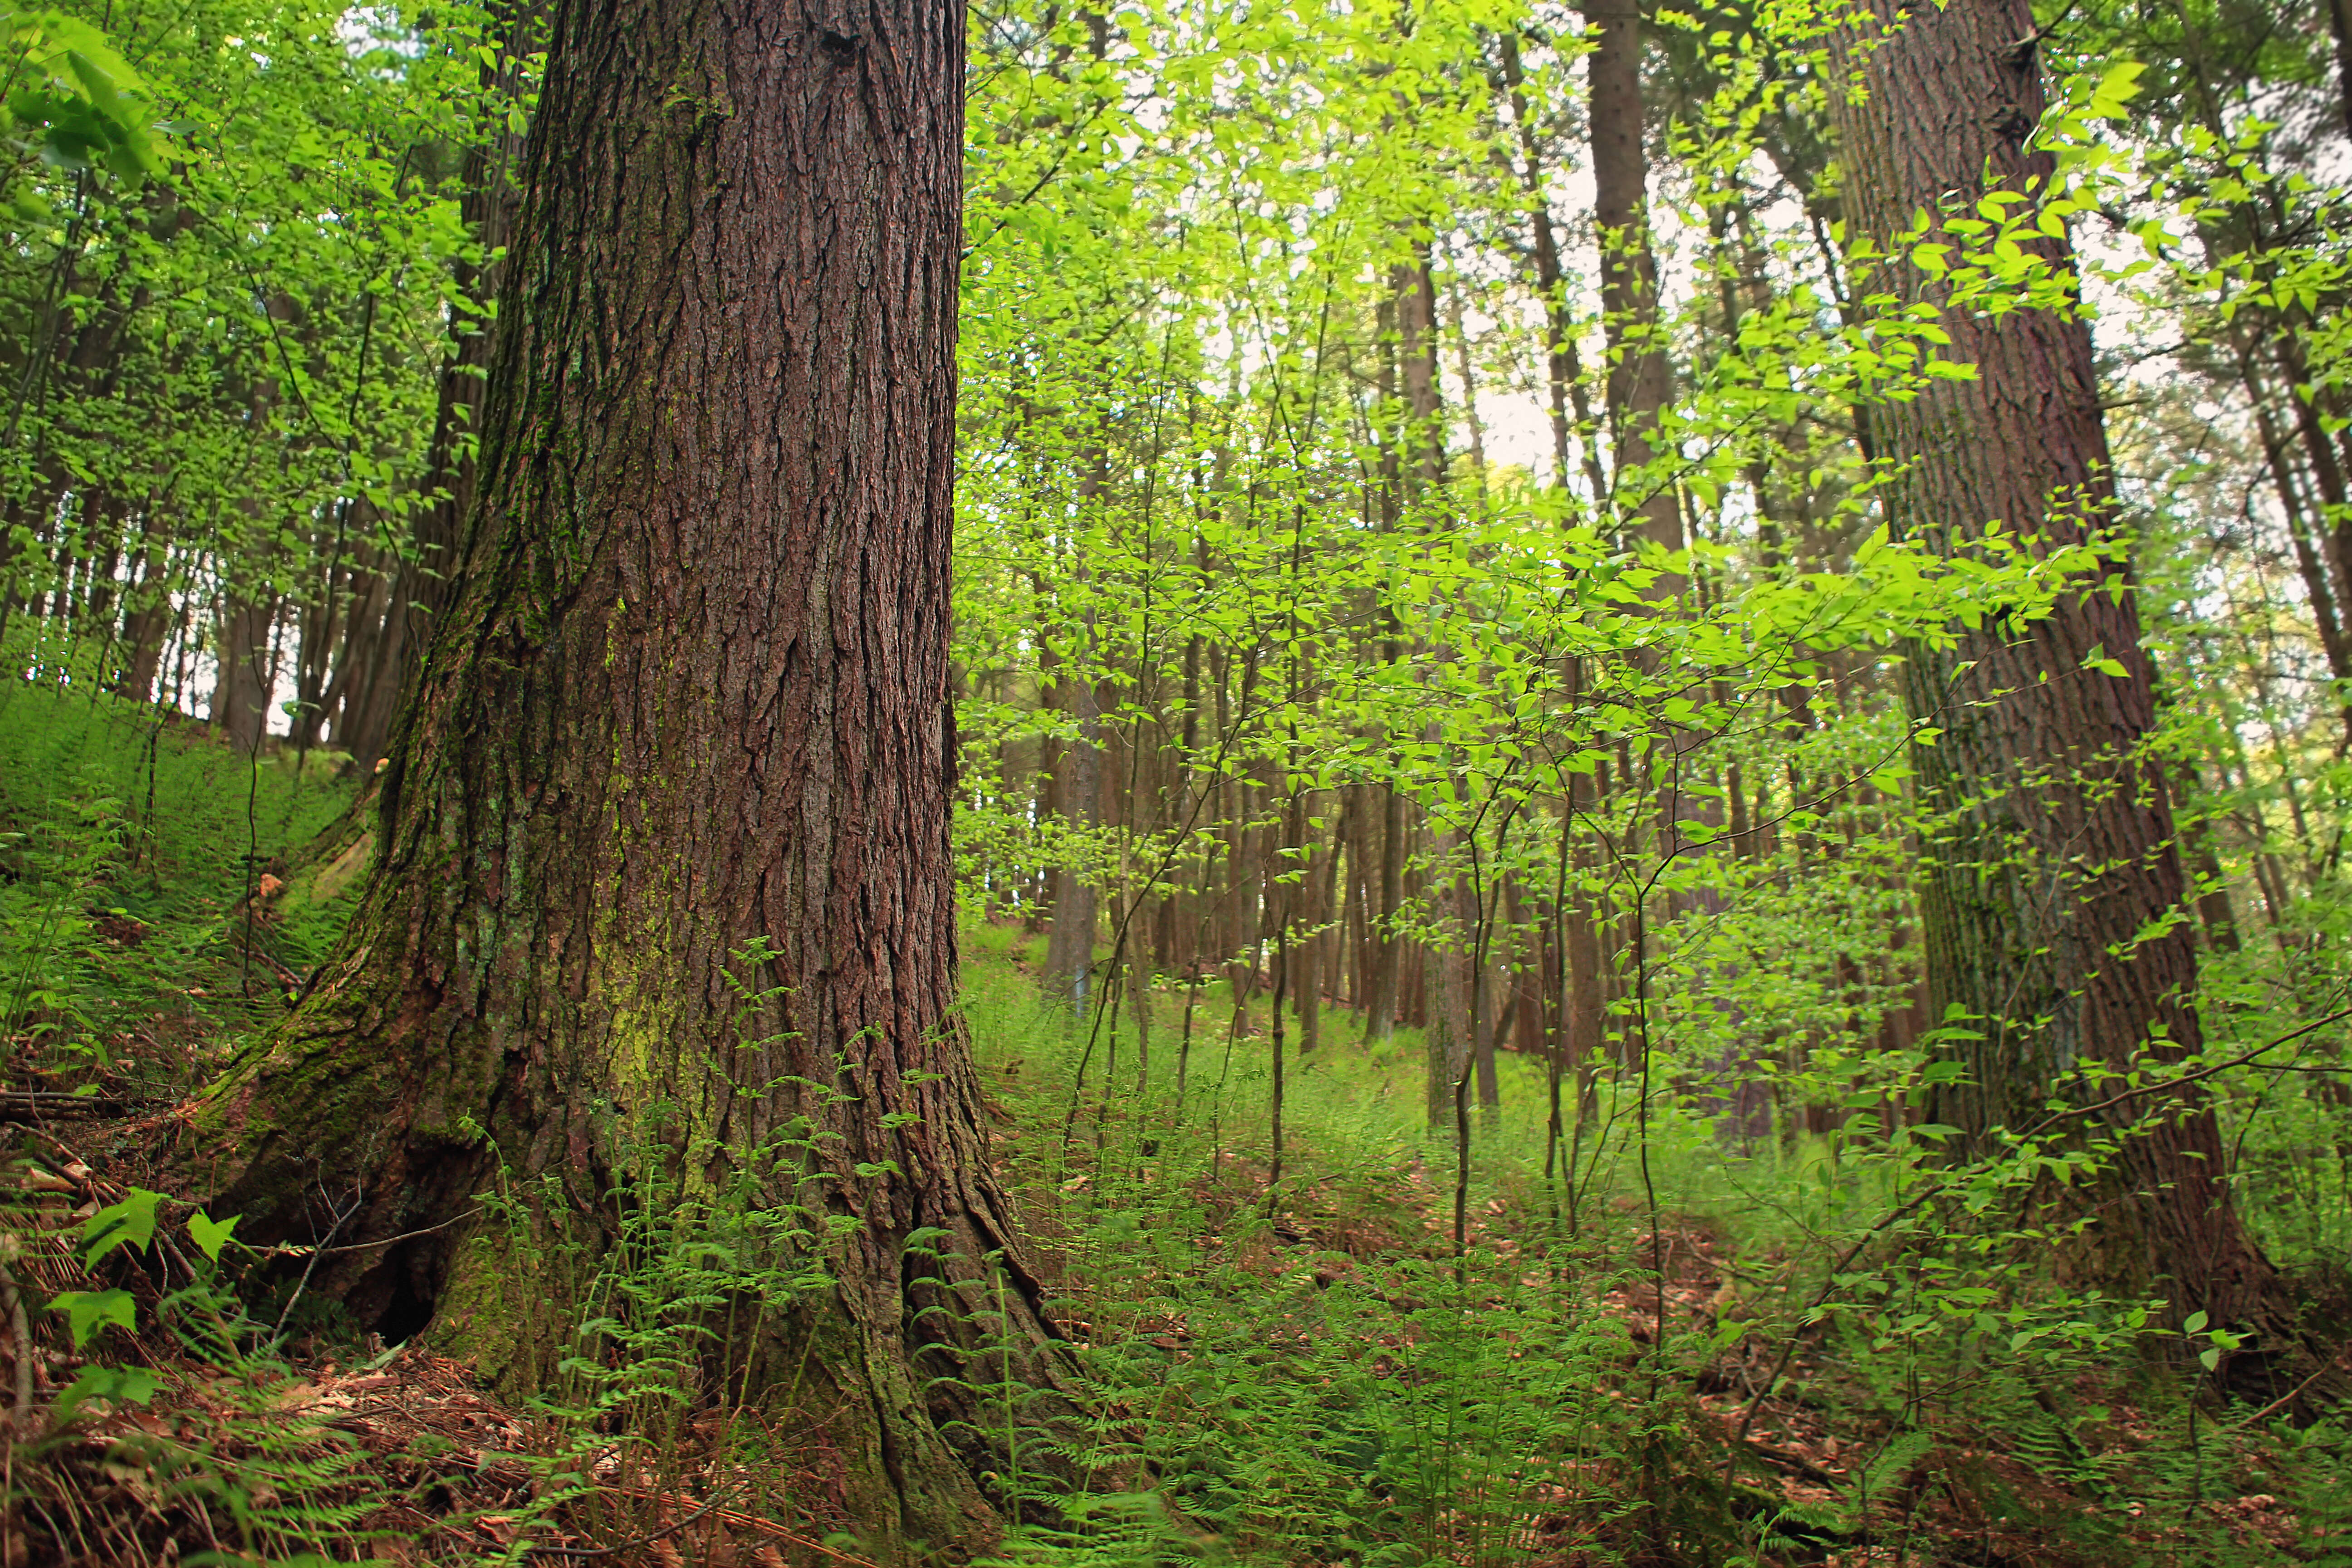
x: 2052, y: 896
x: 665, y: 834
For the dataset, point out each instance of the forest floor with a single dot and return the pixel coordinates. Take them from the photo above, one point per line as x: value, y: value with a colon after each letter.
x: 1669, y: 1359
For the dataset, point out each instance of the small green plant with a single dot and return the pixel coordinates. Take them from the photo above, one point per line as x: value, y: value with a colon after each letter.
x: 266, y: 1480
x: 57, y: 868
x: 674, y: 1312
x: 128, y: 848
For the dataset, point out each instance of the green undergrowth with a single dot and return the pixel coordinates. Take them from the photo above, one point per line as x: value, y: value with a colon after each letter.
x: 139, y: 860
x: 1677, y: 1337
x: 1308, y: 1370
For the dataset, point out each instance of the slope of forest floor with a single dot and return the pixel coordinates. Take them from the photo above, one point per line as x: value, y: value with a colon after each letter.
x: 1672, y: 1347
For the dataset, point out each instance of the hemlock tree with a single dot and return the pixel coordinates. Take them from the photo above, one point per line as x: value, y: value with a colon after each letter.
x: 682, y: 739
x: 2053, y: 900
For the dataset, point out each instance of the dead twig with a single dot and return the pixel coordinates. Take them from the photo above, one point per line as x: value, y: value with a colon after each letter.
x: 15, y: 1103
x: 2297, y: 1392
x: 671, y: 1529
x: 291, y: 1249
x: 278, y: 1329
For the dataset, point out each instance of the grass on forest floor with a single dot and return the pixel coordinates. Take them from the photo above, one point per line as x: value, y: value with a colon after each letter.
x: 140, y: 913
x: 1284, y: 1373
x: 1309, y: 1367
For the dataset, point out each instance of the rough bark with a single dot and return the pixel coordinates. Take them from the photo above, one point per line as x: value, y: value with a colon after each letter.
x: 683, y: 731
x: 2052, y: 898
x: 1641, y: 381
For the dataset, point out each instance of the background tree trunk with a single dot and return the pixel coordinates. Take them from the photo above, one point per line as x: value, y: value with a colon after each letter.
x: 247, y: 671
x: 685, y: 729
x: 1641, y: 379
x: 1070, y: 944
x: 487, y: 204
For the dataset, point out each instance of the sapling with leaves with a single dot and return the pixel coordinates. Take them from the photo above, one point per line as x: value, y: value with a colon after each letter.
x: 68, y: 101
